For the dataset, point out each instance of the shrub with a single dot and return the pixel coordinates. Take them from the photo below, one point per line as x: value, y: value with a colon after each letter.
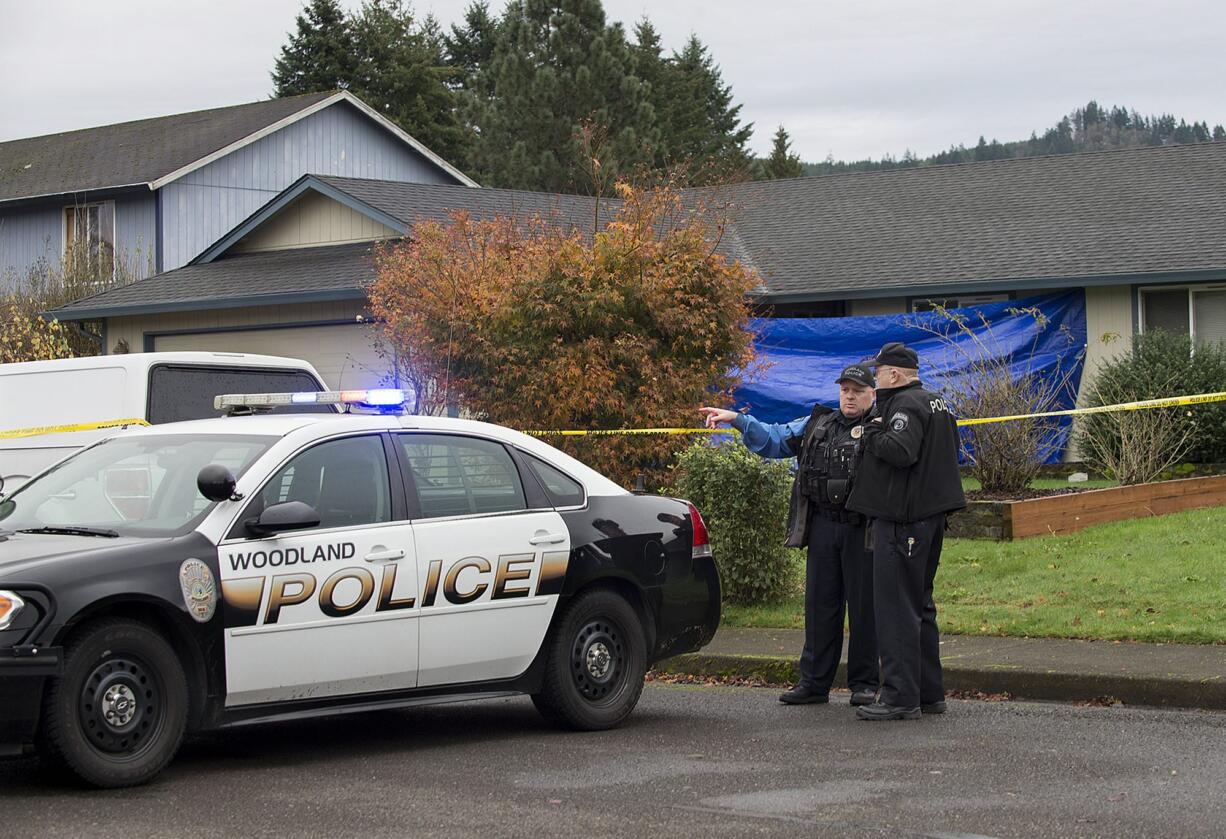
x: 1135, y: 446
x: 993, y: 382
x: 744, y: 501
x: 535, y: 325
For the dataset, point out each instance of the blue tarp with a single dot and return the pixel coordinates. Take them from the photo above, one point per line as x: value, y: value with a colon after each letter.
x: 806, y: 355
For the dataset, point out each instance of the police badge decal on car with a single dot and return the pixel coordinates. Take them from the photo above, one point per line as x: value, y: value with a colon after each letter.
x: 199, y: 589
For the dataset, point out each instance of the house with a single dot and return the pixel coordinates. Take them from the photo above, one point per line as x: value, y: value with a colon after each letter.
x: 155, y: 192
x: 291, y: 278
x: 1142, y: 231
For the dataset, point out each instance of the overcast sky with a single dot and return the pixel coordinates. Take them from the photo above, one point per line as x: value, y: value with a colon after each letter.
x: 852, y: 79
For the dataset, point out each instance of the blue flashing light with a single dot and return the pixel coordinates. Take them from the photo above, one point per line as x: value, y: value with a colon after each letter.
x: 304, y: 399
x: 385, y: 398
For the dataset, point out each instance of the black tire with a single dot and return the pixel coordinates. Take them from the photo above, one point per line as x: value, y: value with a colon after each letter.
x: 597, y: 660
x: 117, y: 715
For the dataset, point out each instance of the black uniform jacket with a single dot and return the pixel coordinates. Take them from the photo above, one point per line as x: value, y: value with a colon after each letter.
x: 909, y: 469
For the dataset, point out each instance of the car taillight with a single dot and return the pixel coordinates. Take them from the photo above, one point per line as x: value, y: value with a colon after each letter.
x: 702, y: 540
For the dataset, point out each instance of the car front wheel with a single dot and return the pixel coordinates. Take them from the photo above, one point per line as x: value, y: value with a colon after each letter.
x: 117, y: 715
x: 597, y: 660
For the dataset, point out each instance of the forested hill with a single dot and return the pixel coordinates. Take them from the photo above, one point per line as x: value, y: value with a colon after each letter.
x: 1092, y: 128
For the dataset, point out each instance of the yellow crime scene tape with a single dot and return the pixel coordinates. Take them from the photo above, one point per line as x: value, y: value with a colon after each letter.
x: 1144, y: 404
x: 64, y: 429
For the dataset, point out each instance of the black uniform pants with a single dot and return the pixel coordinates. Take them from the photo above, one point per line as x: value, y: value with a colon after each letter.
x: 905, y: 558
x: 839, y: 572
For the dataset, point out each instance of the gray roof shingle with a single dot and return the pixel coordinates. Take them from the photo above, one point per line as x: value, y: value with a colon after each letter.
x: 1042, y: 219
x: 1108, y: 216
x: 252, y: 279
x: 132, y: 153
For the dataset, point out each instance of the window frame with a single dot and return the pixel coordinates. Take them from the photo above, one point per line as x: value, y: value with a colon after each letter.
x: 976, y: 299
x: 236, y: 532
x: 114, y: 242
x: 535, y: 500
x: 523, y: 459
x: 1190, y: 290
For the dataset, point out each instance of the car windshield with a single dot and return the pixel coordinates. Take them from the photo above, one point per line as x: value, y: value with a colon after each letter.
x: 142, y: 485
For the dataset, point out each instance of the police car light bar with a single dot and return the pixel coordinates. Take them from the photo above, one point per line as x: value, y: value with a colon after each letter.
x: 249, y: 403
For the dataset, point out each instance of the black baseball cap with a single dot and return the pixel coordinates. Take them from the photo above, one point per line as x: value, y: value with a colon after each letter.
x: 858, y: 374
x: 897, y: 354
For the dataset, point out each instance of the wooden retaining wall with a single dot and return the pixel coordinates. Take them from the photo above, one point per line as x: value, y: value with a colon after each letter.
x: 1076, y: 511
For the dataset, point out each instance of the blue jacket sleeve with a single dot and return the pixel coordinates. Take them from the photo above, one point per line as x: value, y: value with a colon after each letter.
x: 769, y: 439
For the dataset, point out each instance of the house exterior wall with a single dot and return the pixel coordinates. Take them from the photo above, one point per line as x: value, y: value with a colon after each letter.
x: 136, y: 234
x: 310, y: 221
x: 1109, y: 326
x: 26, y: 236
x: 204, y: 205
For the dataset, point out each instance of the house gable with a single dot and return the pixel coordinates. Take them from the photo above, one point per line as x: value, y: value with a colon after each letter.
x: 312, y: 220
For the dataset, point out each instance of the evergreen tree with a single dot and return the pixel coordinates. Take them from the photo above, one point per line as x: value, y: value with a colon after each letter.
x: 470, y: 47
x: 400, y: 71
x: 556, y: 65
x: 319, y: 55
x: 782, y: 163
x: 700, y: 121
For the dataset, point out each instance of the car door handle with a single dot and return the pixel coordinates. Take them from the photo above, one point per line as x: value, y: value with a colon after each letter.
x: 384, y: 556
x: 546, y: 538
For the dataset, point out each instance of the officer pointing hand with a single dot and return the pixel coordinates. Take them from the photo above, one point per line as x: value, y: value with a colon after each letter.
x: 838, y: 570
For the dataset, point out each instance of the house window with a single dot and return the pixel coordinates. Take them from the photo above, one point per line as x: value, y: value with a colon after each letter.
x: 1198, y: 311
x: 89, y: 240
x: 961, y: 302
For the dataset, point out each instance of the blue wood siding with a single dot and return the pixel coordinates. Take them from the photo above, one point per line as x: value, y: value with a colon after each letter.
x: 26, y: 236
x: 201, y: 207
x: 136, y: 232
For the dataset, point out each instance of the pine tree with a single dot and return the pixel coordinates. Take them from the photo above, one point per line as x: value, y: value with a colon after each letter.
x: 701, y: 123
x: 555, y: 65
x: 400, y: 71
x: 469, y: 48
x: 319, y: 55
x: 782, y: 163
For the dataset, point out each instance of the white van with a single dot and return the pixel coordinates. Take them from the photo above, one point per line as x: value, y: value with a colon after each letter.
x: 153, y: 387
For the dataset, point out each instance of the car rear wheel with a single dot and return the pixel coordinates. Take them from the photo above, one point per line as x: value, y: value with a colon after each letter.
x: 117, y: 715
x: 597, y: 660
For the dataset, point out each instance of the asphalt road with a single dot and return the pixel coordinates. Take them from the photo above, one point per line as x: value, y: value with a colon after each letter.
x: 707, y: 761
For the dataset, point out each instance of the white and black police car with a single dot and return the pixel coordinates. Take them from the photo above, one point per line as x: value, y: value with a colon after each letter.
x: 243, y: 569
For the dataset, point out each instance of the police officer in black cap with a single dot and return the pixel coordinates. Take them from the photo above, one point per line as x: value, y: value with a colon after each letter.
x: 908, y: 481
x: 839, y: 568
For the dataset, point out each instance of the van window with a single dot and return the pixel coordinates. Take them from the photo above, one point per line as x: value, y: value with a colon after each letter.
x: 178, y: 392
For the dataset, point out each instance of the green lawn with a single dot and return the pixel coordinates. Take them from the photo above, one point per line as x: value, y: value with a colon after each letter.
x: 1156, y: 579
x: 970, y: 484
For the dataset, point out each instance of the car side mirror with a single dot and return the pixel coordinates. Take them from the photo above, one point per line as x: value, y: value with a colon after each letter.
x: 216, y: 483
x: 290, y: 515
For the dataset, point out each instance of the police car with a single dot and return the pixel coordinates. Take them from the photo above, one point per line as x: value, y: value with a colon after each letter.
x: 237, y: 570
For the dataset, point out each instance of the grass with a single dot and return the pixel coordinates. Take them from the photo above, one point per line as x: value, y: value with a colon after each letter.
x: 971, y: 484
x: 1156, y: 579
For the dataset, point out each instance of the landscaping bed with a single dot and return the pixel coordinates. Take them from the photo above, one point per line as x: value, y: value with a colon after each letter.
x: 1054, y: 511
x: 1154, y: 579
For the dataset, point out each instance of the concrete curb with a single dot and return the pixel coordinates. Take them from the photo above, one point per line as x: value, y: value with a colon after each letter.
x: 1169, y: 692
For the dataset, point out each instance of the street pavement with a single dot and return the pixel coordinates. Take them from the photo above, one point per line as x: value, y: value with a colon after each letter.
x: 691, y: 760
x: 1178, y: 675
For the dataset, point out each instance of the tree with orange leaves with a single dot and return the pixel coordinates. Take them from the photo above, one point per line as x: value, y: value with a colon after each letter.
x: 526, y: 323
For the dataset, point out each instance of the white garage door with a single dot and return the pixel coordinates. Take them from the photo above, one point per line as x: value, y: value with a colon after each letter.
x: 343, y: 354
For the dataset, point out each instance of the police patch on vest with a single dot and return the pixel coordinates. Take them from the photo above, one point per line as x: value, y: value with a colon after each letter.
x: 899, y: 422
x: 199, y: 589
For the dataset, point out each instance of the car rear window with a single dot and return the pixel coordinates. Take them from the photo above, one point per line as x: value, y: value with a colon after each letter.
x: 178, y: 392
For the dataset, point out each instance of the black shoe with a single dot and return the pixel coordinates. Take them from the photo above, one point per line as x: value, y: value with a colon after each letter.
x: 880, y: 711
x: 937, y: 707
x: 803, y: 695
x: 863, y: 697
